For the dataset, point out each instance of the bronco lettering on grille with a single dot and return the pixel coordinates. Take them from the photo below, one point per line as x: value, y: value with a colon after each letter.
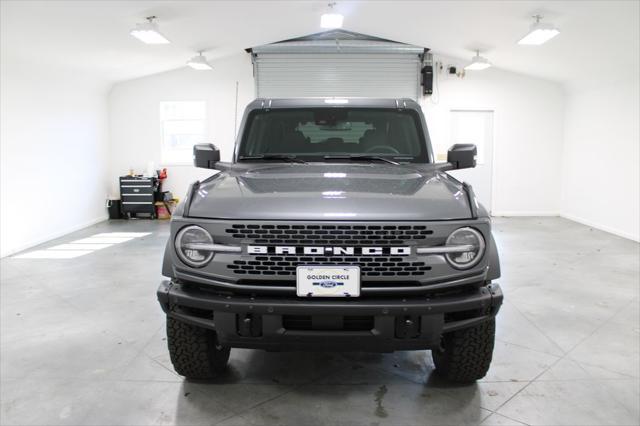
x: 330, y: 251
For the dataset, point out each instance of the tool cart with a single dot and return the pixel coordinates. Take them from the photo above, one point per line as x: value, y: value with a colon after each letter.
x: 138, y: 195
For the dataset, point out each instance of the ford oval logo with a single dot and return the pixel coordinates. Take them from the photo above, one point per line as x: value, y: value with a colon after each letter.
x: 328, y: 284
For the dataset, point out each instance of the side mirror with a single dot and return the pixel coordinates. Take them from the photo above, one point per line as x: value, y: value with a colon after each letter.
x: 462, y: 156
x: 205, y: 155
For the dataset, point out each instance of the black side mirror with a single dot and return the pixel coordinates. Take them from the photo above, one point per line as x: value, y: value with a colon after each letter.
x: 462, y: 156
x: 205, y: 155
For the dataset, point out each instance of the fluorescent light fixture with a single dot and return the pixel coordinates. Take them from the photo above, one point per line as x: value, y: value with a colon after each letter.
x: 199, y: 62
x: 331, y: 20
x: 148, y: 32
x: 539, y: 33
x: 478, y: 63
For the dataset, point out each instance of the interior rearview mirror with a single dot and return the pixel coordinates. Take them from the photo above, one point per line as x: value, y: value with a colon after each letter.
x: 462, y: 155
x: 205, y: 155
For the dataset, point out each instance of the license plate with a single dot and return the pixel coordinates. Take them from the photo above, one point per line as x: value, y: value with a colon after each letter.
x: 328, y: 281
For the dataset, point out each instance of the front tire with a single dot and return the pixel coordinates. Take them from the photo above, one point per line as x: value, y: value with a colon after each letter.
x: 195, y: 351
x: 465, y: 355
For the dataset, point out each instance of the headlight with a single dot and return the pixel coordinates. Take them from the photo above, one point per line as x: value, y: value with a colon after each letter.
x: 187, y: 239
x: 465, y: 237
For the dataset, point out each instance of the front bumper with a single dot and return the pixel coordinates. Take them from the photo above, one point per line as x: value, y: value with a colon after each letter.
x: 364, y: 324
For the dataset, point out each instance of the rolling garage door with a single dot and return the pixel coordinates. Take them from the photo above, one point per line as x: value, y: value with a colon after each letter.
x: 340, y: 64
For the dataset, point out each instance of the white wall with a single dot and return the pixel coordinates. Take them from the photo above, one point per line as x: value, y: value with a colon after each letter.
x: 53, y: 153
x: 135, y: 121
x: 601, y: 171
x: 528, y: 133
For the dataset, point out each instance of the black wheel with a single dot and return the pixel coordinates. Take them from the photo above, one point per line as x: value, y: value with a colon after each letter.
x: 465, y: 355
x: 195, y: 352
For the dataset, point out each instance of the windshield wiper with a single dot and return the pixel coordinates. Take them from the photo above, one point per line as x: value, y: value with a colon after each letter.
x: 268, y: 157
x: 361, y: 158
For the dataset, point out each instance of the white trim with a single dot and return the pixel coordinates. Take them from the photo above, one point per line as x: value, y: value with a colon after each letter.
x: 604, y: 228
x: 54, y: 235
x: 524, y: 213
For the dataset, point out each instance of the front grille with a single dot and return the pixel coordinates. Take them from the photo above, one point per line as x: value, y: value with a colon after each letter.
x: 328, y: 234
x: 369, y: 266
x: 322, y: 234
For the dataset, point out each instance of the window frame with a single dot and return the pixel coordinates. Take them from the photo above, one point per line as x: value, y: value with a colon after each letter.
x: 205, y: 130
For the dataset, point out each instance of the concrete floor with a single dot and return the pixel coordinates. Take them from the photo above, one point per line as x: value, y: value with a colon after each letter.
x: 83, y: 342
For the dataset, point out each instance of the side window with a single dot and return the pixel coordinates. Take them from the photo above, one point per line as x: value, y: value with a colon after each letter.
x: 183, y: 124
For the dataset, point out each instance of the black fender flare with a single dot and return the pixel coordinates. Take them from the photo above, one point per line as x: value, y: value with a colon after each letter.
x: 494, y: 260
x: 167, y: 261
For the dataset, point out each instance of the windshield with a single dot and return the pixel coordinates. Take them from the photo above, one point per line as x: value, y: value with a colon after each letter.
x: 318, y: 134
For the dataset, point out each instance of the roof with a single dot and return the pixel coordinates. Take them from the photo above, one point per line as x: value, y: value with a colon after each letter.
x: 337, y: 41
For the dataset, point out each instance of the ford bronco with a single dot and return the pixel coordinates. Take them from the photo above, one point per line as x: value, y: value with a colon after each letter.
x: 332, y: 228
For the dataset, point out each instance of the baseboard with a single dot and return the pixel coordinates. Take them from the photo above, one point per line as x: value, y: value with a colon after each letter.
x: 604, y: 228
x: 54, y: 235
x: 524, y: 213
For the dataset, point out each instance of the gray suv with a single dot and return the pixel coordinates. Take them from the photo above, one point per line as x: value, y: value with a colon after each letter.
x: 333, y: 228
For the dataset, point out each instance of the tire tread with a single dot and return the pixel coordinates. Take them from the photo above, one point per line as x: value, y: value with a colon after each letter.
x: 193, y: 350
x: 467, y: 353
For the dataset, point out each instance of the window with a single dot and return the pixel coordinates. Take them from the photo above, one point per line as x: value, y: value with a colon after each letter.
x: 183, y: 125
x: 313, y: 133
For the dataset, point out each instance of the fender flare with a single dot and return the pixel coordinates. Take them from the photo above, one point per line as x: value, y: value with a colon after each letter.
x: 167, y: 261
x: 494, y: 260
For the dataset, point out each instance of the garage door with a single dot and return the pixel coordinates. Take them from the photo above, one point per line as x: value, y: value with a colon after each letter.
x: 383, y: 75
x: 338, y: 63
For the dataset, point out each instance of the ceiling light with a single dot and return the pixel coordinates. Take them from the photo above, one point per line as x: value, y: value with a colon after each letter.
x: 539, y: 33
x: 478, y: 63
x: 331, y: 20
x: 199, y: 62
x: 148, y: 32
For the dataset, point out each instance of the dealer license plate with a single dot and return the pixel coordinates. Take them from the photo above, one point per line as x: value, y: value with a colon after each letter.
x: 328, y: 281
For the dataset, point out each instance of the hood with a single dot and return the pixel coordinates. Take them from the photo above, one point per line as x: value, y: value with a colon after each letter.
x: 321, y: 192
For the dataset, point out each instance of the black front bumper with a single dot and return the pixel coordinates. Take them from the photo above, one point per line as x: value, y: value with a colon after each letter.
x: 373, y: 324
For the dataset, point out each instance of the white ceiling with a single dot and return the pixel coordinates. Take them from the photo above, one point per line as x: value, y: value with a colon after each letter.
x: 599, y: 39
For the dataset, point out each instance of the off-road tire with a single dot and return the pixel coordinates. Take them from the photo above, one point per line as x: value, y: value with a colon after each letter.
x: 195, y: 352
x: 465, y: 355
